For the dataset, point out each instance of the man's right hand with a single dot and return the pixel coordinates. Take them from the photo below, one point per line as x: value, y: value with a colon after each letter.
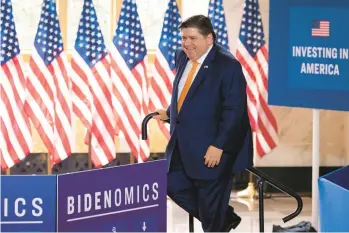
x: 162, y: 115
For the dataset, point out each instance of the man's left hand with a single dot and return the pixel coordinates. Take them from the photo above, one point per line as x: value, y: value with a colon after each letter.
x: 213, y: 156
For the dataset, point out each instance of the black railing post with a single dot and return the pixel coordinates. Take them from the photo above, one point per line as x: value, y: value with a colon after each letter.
x: 191, y: 223
x: 261, y: 204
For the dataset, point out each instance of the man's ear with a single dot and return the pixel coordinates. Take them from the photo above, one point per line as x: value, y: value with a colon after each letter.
x: 210, y: 38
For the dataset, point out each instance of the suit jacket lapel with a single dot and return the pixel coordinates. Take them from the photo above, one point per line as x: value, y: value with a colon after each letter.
x: 205, y: 69
x: 179, y: 73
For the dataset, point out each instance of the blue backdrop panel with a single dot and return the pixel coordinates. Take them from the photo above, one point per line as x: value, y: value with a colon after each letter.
x: 309, y: 54
x: 334, y: 201
x: 28, y: 203
x: 129, y: 198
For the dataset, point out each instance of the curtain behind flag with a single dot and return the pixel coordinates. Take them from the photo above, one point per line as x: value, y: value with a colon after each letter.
x: 252, y: 53
x: 15, y: 133
x: 164, y: 64
x: 93, y: 87
x: 129, y: 73
x: 49, y: 86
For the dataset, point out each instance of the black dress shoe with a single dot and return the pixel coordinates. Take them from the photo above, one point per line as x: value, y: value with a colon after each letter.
x: 232, y: 223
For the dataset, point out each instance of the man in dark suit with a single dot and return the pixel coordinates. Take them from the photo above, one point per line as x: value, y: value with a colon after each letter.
x: 211, y: 136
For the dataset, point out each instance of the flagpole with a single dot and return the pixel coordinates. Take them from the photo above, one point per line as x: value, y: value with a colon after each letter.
x: 89, y: 152
x: 315, y: 167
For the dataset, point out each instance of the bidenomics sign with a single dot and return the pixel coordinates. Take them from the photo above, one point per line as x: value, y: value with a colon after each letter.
x: 28, y: 203
x: 126, y: 198
x: 309, y: 54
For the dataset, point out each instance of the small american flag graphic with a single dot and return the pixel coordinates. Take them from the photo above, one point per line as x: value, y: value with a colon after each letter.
x: 320, y: 28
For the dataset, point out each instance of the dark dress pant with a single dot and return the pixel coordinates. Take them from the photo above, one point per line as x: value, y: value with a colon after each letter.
x: 206, y: 200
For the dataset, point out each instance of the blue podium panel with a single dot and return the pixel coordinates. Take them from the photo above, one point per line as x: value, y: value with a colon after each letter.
x: 309, y: 54
x: 334, y: 201
x: 28, y: 203
x: 129, y: 198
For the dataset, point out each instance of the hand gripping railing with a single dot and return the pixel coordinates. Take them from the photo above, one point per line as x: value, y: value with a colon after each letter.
x: 263, y: 178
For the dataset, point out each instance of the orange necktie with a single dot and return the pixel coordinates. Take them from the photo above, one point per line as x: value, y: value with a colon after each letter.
x: 187, y: 84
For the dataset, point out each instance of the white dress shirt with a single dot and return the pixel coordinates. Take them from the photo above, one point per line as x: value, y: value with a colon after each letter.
x: 187, y: 70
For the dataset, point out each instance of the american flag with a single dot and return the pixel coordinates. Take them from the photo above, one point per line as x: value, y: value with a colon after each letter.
x: 217, y: 17
x: 164, y: 64
x: 49, y: 102
x: 320, y: 28
x: 128, y: 61
x: 253, y: 55
x: 93, y: 87
x: 15, y: 134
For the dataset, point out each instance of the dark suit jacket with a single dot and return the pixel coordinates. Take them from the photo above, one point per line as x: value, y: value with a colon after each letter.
x: 213, y: 113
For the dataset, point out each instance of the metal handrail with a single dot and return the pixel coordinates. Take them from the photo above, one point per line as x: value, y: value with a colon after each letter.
x: 145, y: 124
x: 282, y: 188
x: 262, y: 179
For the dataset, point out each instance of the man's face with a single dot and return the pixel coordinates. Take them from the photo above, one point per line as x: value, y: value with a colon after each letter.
x: 194, y: 44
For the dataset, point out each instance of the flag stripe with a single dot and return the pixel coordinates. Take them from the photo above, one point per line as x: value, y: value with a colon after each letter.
x: 15, y: 131
x: 15, y: 138
x: 257, y: 77
x: 6, y: 162
x: 130, y: 104
x: 93, y: 87
x: 49, y: 102
x: 100, y: 85
x: 126, y: 122
x: 126, y: 89
x: 253, y: 55
x: 162, y: 85
x: 164, y: 68
x: 133, y: 85
x: 63, y: 110
x: 262, y: 107
x: 39, y: 100
x: 81, y: 92
x: 129, y: 73
x: 102, y: 94
x: 10, y: 148
x: 8, y: 134
x: 15, y: 107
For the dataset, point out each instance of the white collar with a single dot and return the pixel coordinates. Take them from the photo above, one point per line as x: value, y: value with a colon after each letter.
x: 203, y: 57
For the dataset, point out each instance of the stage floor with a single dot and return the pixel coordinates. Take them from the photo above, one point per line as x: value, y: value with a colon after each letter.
x: 275, y: 209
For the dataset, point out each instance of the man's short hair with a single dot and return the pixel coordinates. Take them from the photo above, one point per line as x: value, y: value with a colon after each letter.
x: 200, y: 22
